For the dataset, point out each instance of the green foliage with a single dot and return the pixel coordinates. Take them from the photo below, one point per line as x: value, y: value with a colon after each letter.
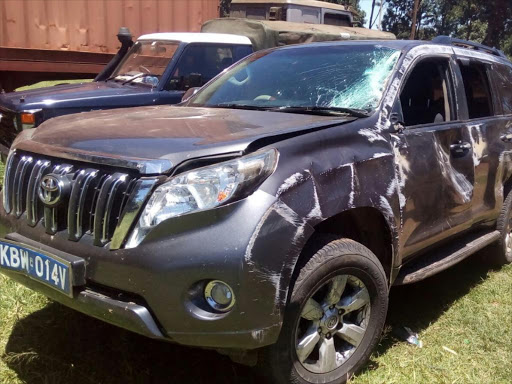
x: 224, y: 7
x: 488, y: 22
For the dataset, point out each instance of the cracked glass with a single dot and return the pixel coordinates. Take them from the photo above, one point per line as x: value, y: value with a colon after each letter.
x: 327, y: 76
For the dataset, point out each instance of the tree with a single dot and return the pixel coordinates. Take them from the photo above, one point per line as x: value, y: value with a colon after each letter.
x: 488, y: 22
x: 497, y: 13
x: 224, y: 7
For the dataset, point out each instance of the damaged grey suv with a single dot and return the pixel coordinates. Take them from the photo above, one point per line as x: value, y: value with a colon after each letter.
x: 269, y: 215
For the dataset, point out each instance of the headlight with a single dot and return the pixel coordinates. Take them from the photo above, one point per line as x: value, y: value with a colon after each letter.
x: 204, y: 188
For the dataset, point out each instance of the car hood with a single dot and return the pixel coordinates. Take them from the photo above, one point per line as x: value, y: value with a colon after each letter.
x: 52, y: 97
x: 155, y: 139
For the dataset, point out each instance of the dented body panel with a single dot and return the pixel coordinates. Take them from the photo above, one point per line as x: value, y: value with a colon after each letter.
x: 418, y: 192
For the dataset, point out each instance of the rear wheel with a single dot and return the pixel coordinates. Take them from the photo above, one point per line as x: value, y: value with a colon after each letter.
x: 334, y: 319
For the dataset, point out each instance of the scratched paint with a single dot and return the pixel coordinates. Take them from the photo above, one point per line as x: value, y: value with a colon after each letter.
x: 352, y: 186
x: 458, y: 181
x: 291, y: 182
x: 478, y: 143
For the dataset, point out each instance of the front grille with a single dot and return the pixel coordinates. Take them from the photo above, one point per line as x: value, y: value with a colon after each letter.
x: 91, y: 202
x: 8, y: 129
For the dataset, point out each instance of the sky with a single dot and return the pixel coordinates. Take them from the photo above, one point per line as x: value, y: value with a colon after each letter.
x: 366, y: 5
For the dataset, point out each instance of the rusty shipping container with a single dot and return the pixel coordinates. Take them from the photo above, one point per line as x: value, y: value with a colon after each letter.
x: 65, y: 39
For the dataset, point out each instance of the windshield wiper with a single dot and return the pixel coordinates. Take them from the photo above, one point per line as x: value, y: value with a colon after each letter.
x: 240, y: 106
x: 314, y: 110
x: 323, y: 110
x: 112, y: 77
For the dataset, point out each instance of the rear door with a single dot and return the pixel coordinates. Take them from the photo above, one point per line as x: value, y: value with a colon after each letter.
x: 434, y: 157
x: 485, y: 128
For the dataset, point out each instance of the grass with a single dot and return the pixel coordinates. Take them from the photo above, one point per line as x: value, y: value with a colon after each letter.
x: 467, y: 309
x: 463, y: 316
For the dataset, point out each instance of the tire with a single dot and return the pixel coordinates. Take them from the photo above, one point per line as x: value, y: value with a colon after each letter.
x: 340, y: 266
x: 501, y: 252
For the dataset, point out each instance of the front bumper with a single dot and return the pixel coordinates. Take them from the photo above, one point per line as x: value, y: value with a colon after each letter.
x: 153, y: 289
x: 127, y: 315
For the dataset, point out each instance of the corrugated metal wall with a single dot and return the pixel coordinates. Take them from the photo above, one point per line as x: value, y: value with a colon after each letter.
x: 92, y: 25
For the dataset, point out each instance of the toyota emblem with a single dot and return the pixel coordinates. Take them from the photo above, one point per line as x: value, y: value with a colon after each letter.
x: 51, y: 190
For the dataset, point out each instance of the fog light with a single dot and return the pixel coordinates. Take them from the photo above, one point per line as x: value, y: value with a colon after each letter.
x: 219, y: 296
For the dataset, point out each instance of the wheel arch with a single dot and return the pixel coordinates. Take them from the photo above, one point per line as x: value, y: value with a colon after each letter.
x: 366, y: 225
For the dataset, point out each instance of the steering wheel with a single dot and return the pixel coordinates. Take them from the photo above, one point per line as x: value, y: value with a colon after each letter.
x: 239, y: 83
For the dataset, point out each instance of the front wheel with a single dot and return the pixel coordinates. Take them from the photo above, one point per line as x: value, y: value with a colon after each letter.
x: 334, y: 319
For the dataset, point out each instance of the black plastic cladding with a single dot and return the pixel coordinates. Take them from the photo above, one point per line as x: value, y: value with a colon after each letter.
x: 96, y: 202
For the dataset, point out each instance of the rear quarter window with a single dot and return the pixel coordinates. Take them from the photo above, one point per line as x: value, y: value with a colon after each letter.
x: 503, y: 78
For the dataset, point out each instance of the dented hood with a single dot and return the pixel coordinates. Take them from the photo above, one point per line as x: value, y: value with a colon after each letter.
x: 155, y: 139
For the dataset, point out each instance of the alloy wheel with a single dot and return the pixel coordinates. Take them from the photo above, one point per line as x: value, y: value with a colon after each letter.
x: 333, y: 323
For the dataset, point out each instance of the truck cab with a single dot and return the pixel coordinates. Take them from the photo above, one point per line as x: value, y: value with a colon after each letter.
x: 158, y: 69
x: 295, y: 11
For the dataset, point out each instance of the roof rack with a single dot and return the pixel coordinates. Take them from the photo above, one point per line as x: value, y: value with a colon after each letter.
x: 447, y: 40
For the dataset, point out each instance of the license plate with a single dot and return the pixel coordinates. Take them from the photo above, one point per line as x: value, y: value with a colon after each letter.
x: 48, y: 269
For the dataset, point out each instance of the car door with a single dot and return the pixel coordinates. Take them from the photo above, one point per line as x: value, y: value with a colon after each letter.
x: 433, y: 155
x: 489, y: 124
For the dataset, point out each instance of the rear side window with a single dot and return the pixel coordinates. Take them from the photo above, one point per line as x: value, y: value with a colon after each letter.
x: 476, y: 85
x: 503, y: 76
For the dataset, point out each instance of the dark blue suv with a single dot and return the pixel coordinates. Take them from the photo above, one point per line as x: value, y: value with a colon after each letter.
x: 158, y: 69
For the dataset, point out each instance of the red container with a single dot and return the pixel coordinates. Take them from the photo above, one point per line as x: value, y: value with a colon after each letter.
x: 64, y: 39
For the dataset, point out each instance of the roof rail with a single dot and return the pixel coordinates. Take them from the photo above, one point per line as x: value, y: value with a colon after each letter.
x: 447, y: 40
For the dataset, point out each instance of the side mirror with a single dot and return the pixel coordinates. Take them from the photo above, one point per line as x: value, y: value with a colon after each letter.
x: 396, y: 117
x: 190, y: 92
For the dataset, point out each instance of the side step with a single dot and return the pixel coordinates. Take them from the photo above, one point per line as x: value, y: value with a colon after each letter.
x: 430, y: 264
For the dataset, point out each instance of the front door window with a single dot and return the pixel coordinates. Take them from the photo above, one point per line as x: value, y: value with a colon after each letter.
x: 425, y: 98
x: 198, y: 65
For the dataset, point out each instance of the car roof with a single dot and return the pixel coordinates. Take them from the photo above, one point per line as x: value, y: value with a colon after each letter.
x: 218, y: 38
x: 393, y: 44
x: 405, y: 45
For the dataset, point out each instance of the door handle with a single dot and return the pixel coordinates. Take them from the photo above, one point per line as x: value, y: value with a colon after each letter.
x: 507, y: 138
x: 460, y: 147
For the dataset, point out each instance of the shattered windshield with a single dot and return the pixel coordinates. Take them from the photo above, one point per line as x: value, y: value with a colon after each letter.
x: 338, y: 77
x: 145, y: 62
